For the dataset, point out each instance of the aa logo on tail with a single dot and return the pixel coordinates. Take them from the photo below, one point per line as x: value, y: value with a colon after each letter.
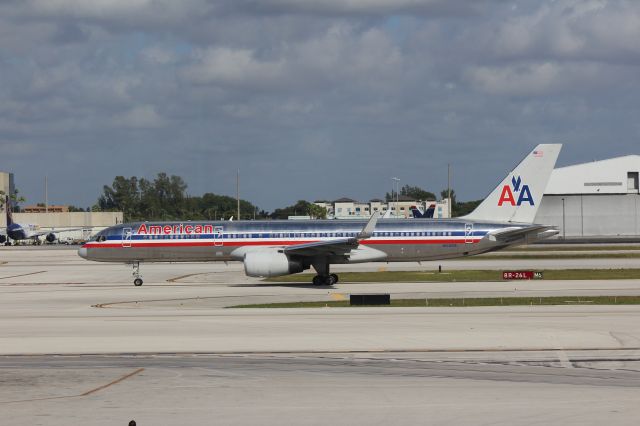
x: 508, y: 195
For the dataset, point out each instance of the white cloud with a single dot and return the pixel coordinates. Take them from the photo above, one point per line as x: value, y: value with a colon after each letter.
x: 159, y: 55
x: 534, y: 79
x: 572, y: 30
x: 340, y: 56
x: 107, y: 9
x: 364, y: 7
x: 225, y: 65
x: 142, y: 116
x: 550, y: 78
x: 271, y: 82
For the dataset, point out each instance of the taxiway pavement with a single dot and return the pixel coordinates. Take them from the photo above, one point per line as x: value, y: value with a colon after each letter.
x: 81, y: 345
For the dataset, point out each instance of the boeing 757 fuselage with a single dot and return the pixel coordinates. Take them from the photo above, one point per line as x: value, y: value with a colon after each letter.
x: 276, y: 248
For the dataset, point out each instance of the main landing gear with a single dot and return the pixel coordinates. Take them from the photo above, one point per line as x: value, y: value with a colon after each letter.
x: 330, y: 279
x: 136, y: 274
x: 324, y: 277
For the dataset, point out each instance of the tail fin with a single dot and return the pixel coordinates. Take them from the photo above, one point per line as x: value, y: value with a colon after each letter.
x: 518, y: 196
x: 417, y: 214
x: 7, y: 209
x: 430, y: 211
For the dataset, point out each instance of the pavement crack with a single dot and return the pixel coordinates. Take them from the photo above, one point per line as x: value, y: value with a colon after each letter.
x: 87, y: 393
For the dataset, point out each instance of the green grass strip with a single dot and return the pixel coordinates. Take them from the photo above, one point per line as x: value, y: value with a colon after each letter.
x: 631, y: 255
x: 586, y: 248
x: 464, y: 276
x: 463, y: 302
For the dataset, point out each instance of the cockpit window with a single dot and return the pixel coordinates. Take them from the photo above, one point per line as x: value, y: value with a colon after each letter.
x: 99, y: 237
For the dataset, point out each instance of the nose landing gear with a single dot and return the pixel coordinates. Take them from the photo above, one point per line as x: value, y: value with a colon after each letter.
x: 136, y: 274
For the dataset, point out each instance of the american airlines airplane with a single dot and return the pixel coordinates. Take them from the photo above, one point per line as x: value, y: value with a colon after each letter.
x: 284, y: 247
x: 21, y: 231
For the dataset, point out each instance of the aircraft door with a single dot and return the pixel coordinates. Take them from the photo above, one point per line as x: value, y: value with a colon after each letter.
x: 126, y: 237
x: 468, y: 233
x: 217, y: 236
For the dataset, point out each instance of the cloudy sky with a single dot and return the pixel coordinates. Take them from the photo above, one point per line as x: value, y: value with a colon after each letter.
x: 310, y: 99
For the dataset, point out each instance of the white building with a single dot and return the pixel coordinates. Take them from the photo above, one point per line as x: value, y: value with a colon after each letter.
x: 84, y: 224
x: 597, y: 199
x: 347, y: 208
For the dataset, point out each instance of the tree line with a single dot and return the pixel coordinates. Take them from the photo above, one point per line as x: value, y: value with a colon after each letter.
x: 165, y: 198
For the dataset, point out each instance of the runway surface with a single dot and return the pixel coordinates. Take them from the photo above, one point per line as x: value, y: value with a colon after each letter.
x: 406, y: 388
x: 81, y: 345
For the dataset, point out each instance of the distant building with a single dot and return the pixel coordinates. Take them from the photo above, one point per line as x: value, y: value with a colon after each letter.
x: 84, y: 223
x: 348, y: 208
x: 43, y: 209
x: 597, y: 199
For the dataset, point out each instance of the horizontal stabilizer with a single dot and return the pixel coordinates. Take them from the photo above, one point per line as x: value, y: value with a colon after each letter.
x: 511, y: 234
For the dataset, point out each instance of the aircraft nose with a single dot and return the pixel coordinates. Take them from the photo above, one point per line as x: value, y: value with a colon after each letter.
x: 82, y: 252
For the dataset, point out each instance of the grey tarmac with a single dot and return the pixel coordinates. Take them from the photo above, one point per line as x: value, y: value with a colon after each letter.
x: 318, y: 389
x: 81, y: 345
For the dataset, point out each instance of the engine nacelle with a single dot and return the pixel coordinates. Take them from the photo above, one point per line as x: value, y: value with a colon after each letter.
x: 50, y: 237
x: 270, y: 263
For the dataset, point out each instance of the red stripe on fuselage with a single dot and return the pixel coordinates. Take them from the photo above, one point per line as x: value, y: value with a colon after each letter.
x: 179, y: 243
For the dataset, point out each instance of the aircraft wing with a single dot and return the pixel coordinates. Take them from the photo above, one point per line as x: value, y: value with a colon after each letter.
x: 509, y: 234
x: 337, y: 247
x: 56, y: 231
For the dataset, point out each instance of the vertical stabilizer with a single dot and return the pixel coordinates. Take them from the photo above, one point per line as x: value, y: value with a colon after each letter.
x: 518, y: 196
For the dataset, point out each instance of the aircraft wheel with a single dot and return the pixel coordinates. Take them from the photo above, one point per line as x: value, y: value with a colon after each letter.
x: 317, y: 280
x: 137, y: 282
x: 330, y: 280
x: 335, y: 278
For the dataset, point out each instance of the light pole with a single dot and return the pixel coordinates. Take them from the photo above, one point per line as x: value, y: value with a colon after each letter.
x: 564, y: 232
x: 397, y: 184
x: 46, y: 195
x: 449, y: 188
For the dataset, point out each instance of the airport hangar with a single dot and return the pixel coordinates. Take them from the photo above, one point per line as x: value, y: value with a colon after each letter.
x: 596, y: 199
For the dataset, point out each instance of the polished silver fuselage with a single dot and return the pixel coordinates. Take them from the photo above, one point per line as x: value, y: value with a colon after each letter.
x: 400, y: 240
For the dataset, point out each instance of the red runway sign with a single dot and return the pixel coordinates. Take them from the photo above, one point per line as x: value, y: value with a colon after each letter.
x: 521, y: 275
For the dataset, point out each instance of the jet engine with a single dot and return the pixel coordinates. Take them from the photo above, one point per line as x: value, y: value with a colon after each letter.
x: 270, y: 263
x: 50, y: 237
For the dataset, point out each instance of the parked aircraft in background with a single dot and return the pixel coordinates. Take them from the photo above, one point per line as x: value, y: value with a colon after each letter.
x: 275, y: 248
x: 427, y: 214
x: 15, y: 231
